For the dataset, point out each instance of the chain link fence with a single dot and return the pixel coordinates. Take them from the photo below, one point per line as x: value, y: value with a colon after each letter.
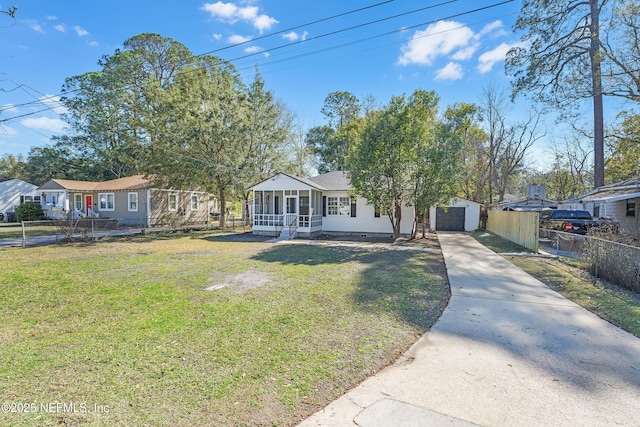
x: 29, y: 233
x: 615, y: 262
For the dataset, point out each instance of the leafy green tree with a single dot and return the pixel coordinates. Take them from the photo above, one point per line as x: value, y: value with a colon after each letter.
x: 331, y: 142
x: 561, y: 59
x: 110, y: 112
x: 404, y: 156
x: 473, y: 177
x: 60, y: 161
x: 623, y: 163
x: 204, y: 141
x: 13, y: 166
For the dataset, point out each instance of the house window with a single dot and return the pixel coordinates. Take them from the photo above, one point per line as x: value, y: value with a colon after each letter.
x: 376, y: 212
x: 339, y: 206
x: 106, y: 201
x: 77, y: 201
x: 596, y: 210
x: 173, y: 202
x: 194, y: 203
x: 133, y: 202
x: 631, y: 207
x: 36, y: 199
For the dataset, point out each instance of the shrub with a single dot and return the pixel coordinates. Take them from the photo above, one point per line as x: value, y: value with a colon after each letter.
x: 29, y: 211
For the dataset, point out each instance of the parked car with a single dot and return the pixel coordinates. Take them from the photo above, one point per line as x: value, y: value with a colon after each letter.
x: 568, y: 220
x: 1, y: 216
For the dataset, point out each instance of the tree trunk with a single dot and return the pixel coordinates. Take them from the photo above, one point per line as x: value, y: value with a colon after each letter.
x: 598, y: 114
x: 223, y: 206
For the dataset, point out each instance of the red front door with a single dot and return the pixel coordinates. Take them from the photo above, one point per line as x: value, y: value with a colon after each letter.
x: 88, y: 204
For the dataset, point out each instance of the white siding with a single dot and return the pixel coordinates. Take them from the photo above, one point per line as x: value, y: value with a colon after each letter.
x: 10, y: 192
x: 471, y: 215
x: 365, y: 221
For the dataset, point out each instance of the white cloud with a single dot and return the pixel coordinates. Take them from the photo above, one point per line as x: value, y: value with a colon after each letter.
x: 36, y: 27
x: 61, y: 28
x: 8, y: 107
x: 487, y: 60
x: 264, y: 22
x: 44, y: 123
x: 80, y: 31
x: 232, y: 13
x: 237, y: 39
x: 451, y: 71
x: 217, y: 36
x: 494, y: 29
x: 94, y: 43
x: 253, y: 49
x: 466, y: 52
x: 293, y: 36
x: 51, y: 18
x: 436, y: 40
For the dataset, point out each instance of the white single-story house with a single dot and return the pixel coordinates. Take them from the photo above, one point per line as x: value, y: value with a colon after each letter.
x: 459, y: 215
x: 132, y: 200
x: 620, y: 202
x: 14, y: 192
x: 285, y: 205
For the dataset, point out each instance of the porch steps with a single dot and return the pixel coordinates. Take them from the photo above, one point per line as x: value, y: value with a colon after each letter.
x: 285, y: 235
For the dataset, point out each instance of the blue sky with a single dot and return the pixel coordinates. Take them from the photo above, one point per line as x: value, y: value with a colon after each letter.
x: 444, y: 47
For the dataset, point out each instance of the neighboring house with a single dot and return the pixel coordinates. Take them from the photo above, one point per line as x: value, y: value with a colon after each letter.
x: 14, y: 192
x: 285, y: 204
x: 620, y: 202
x: 536, y: 201
x: 132, y: 201
x: 459, y: 215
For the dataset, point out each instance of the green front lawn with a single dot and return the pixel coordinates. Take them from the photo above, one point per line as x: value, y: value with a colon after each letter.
x: 126, y: 327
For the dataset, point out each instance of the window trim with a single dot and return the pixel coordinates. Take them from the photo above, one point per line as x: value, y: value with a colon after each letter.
x: 175, y: 197
x: 197, y: 204
x: 631, y: 208
x: 105, y: 207
x: 77, y: 205
x: 339, y: 206
x: 137, y: 197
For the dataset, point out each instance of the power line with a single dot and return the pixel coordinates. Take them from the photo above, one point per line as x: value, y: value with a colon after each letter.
x: 54, y: 97
x: 315, y: 38
x: 342, y: 30
x: 297, y: 27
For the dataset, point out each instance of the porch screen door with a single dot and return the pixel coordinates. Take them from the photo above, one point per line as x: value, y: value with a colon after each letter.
x: 291, y: 210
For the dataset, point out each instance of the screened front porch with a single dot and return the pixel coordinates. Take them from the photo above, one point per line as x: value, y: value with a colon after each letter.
x: 292, y: 211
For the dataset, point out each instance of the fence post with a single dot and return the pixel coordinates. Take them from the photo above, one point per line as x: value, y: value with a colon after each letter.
x: 93, y: 236
x: 24, y: 236
x: 597, y: 256
x: 233, y: 223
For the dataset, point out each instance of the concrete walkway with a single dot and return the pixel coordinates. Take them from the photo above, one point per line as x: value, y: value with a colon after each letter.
x: 507, y: 351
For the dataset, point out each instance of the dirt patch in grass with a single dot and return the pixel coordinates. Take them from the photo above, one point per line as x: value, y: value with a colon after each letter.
x: 240, y: 282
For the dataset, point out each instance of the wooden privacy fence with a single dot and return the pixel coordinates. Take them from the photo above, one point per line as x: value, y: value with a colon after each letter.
x: 519, y: 227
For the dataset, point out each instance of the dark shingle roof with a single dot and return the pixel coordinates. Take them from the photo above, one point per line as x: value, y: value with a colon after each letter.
x: 336, y: 181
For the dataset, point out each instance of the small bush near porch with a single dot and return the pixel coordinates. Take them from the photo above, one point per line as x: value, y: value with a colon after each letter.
x: 124, y: 332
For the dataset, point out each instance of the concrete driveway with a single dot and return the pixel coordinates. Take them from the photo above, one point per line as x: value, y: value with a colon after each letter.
x: 507, y: 351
